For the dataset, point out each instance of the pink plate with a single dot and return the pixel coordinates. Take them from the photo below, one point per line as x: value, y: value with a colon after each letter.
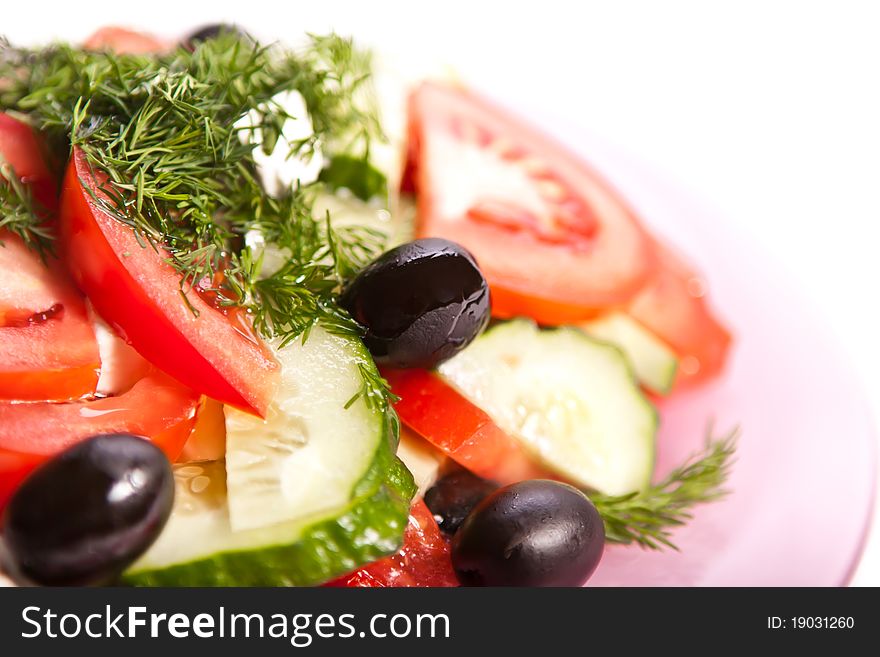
x: 803, y: 484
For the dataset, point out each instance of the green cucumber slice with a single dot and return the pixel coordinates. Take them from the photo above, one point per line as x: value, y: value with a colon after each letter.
x: 572, y: 401
x: 199, y: 548
x: 309, y: 453
x: 653, y: 362
x: 353, y: 511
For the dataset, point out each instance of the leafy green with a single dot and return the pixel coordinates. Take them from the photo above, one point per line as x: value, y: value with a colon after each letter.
x: 166, y: 138
x: 20, y: 213
x: 356, y: 175
x: 648, y: 516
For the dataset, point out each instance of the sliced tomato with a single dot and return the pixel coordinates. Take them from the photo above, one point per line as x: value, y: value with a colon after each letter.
x: 137, y: 292
x: 156, y: 407
x: 674, y: 307
x: 53, y: 359
x: 423, y: 560
x: 124, y: 41
x: 554, y: 240
x: 48, y: 349
x: 442, y: 416
x: 27, y: 286
x: 23, y: 151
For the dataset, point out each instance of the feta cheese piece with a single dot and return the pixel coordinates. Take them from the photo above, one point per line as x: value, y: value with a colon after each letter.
x: 281, y: 169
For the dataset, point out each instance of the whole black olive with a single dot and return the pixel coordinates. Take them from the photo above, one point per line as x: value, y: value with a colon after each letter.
x: 533, y: 533
x: 212, y: 31
x: 85, y: 515
x: 421, y: 303
x: 454, y: 495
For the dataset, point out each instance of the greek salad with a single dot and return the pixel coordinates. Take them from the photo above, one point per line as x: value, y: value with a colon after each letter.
x: 263, y: 325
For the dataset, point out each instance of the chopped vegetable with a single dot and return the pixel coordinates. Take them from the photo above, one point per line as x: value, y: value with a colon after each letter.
x: 457, y: 427
x: 570, y: 401
x: 422, y: 561
x: 157, y: 407
x: 555, y: 242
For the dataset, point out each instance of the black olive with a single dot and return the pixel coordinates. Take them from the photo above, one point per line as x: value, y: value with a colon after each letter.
x: 453, y: 497
x: 421, y: 303
x: 533, y: 533
x: 85, y: 515
x: 212, y: 31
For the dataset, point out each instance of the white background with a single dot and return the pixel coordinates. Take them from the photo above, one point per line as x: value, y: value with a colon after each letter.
x: 768, y: 111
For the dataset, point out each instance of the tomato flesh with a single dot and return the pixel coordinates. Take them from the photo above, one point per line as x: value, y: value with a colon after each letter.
x: 156, y: 407
x: 446, y: 419
x: 138, y: 293
x: 56, y: 359
x: 674, y: 307
x: 423, y: 561
x: 124, y: 41
x: 48, y: 349
x: 22, y: 150
x: 553, y: 239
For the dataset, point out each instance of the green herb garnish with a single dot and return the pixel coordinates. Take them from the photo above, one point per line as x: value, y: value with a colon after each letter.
x: 20, y: 213
x: 165, y: 135
x: 647, y: 517
x: 356, y: 175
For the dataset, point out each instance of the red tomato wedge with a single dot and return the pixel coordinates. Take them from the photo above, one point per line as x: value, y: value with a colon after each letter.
x: 22, y: 150
x: 437, y: 412
x: 423, y: 560
x: 28, y: 286
x: 54, y: 358
x: 156, y: 407
x: 137, y: 292
x: 554, y: 240
x: 48, y: 349
x: 674, y: 307
x: 124, y: 41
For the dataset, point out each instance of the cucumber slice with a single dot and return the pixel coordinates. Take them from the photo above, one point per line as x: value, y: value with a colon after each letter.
x: 571, y: 400
x: 310, y: 493
x: 653, y: 362
x: 199, y: 548
x: 309, y: 453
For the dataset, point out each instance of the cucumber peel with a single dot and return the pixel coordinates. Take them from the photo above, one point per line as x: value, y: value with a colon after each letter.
x: 302, y: 553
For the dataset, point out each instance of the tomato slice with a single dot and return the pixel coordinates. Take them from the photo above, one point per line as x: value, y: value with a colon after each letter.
x: 137, y: 292
x: 48, y: 349
x: 156, y: 407
x: 124, y: 41
x: 27, y: 286
x: 674, y: 307
x: 423, y: 560
x: 553, y: 239
x: 53, y: 359
x: 437, y: 412
x: 21, y: 149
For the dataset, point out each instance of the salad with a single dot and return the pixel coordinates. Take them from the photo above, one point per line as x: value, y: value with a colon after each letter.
x: 256, y: 331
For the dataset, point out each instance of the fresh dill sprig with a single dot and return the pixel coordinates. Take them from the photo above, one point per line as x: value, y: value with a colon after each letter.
x: 21, y: 214
x: 169, y: 140
x: 647, y: 517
